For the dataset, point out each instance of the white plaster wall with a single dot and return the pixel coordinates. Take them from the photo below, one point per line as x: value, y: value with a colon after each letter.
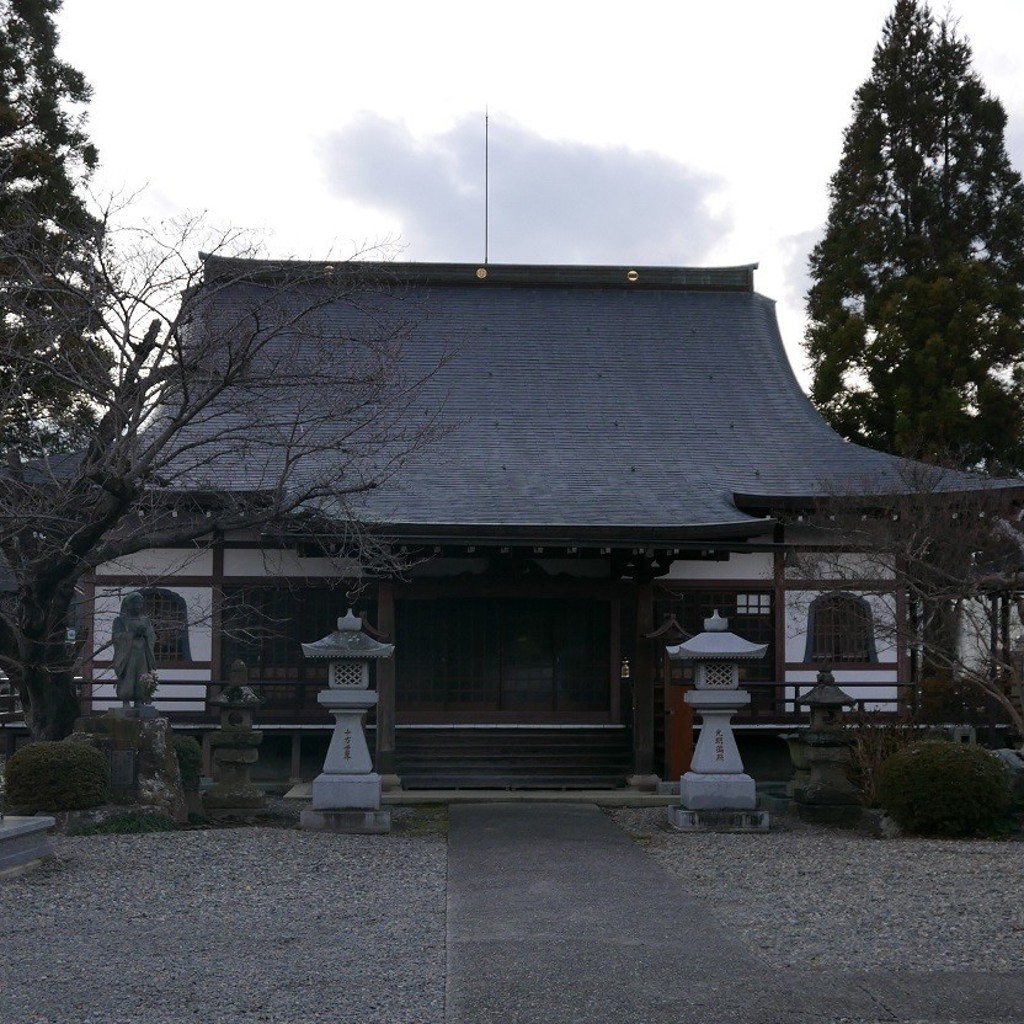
x: 757, y: 565
x: 838, y: 565
x: 167, y: 698
x: 169, y: 677
x: 198, y: 603
x: 257, y: 562
x: 156, y: 563
x: 976, y: 633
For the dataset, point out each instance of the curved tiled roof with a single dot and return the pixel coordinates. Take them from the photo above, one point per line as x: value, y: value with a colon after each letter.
x: 580, y: 399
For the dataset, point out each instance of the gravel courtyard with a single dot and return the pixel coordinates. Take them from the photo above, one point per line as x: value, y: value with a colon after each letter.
x: 275, y: 924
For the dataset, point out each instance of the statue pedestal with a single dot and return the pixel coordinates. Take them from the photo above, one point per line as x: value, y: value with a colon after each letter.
x: 346, y: 794
x: 143, y: 765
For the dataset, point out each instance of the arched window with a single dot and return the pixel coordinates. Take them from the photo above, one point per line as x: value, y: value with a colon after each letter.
x: 169, y: 615
x: 840, y: 629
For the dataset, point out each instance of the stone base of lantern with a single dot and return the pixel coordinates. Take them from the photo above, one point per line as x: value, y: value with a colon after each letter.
x: 346, y: 803
x: 721, y: 821
x: 700, y: 791
x: 353, y: 821
x: 346, y: 792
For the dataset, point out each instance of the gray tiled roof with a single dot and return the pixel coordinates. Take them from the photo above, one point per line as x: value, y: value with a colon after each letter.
x: 578, y: 402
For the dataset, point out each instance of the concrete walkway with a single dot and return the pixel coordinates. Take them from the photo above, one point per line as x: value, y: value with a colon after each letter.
x: 554, y: 915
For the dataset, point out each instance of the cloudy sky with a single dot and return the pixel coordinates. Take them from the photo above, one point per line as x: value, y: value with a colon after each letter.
x: 664, y: 132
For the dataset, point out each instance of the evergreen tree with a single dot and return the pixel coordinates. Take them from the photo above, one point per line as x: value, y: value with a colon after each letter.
x: 916, y: 336
x: 46, y: 233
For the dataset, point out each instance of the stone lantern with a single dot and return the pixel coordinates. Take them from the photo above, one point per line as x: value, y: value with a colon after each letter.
x: 716, y: 790
x: 346, y: 794
x: 235, y: 750
x: 828, y: 797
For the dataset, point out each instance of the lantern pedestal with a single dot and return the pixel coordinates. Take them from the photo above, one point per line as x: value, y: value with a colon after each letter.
x: 346, y: 794
x: 716, y: 780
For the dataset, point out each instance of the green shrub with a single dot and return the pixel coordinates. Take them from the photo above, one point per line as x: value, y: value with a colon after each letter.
x: 876, y: 737
x: 938, y: 788
x: 61, y: 776
x: 190, y: 760
x: 132, y: 823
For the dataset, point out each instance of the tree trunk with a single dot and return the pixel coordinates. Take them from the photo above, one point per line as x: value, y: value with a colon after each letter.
x: 50, y: 702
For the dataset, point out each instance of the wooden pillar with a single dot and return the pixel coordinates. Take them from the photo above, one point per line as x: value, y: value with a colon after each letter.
x: 779, y: 604
x: 678, y: 726
x: 296, y: 758
x: 384, y: 763
x: 642, y: 677
x: 615, y: 668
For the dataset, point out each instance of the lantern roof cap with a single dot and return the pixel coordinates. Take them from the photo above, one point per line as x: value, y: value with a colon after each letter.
x: 826, y: 694
x: 716, y: 643
x: 347, y: 641
x: 237, y: 697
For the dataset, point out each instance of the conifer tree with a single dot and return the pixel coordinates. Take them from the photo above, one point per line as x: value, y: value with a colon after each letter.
x: 46, y: 233
x: 916, y: 336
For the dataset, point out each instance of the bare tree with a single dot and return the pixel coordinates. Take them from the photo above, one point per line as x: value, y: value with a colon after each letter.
x: 229, y: 395
x: 945, y: 558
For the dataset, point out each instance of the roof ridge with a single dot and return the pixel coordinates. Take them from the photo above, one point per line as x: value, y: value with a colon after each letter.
x: 636, y: 277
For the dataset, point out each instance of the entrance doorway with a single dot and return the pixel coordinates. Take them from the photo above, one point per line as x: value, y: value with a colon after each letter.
x: 502, y: 659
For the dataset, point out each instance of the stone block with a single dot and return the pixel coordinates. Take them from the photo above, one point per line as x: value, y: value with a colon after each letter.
x: 236, y: 755
x: 643, y: 783
x: 225, y: 801
x: 345, y: 792
x: 353, y: 821
x: 734, y: 792
x: 24, y: 841
x: 236, y: 738
x: 718, y: 821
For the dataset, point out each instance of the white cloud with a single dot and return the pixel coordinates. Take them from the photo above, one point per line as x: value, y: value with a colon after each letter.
x: 550, y: 201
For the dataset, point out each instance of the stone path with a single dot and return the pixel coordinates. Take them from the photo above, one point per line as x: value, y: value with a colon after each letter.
x: 555, y: 915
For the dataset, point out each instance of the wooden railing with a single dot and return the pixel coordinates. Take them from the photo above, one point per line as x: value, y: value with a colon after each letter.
x: 295, y: 703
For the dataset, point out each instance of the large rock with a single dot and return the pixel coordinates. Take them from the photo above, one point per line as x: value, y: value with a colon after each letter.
x: 1014, y: 762
x: 144, y: 766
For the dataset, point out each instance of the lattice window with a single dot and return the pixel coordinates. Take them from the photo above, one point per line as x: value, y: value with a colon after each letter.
x: 840, y: 630
x: 169, y: 615
x: 718, y: 675
x: 347, y: 673
x: 753, y: 604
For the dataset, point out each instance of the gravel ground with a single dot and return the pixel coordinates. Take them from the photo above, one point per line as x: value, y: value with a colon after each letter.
x: 275, y: 924
x: 819, y: 898
x: 230, y: 925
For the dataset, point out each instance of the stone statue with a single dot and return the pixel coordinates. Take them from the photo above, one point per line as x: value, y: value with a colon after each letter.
x: 134, y: 661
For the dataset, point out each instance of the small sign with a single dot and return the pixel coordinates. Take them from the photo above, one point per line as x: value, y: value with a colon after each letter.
x: 122, y: 769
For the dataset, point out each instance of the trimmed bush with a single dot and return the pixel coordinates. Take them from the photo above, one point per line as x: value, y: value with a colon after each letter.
x: 132, y: 823
x: 190, y: 761
x: 876, y: 737
x: 939, y: 788
x: 60, y: 776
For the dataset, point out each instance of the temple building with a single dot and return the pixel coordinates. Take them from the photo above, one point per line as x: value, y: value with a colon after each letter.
x: 619, y: 452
